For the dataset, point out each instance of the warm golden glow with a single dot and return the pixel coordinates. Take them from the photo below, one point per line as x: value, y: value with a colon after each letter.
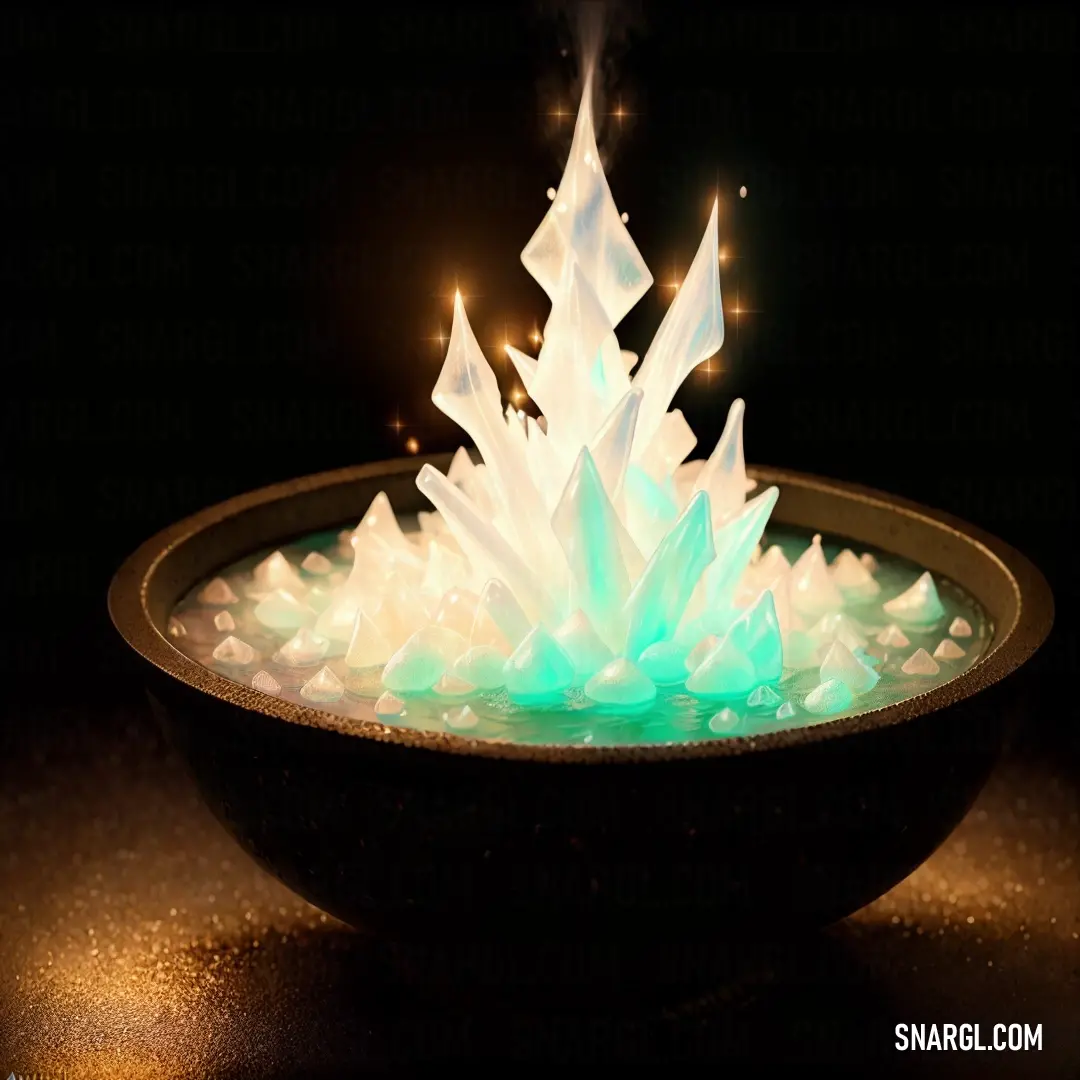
x: 517, y: 395
x: 397, y: 423
x: 412, y: 445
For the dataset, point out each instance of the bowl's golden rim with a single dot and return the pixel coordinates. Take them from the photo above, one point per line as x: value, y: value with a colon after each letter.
x: 1012, y: 644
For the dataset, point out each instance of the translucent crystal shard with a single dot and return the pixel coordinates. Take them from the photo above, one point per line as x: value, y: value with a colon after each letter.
x: 838, y: 627
x: 315, y: 563
x: 468, y: 392
x: 948, y: 650
x: 673, y: 441
x: 785, y: 711
x: 499, y: 619
x: 583, y: 223
x: 724, y: 722
x: 490, y: 553
x: 813, y: 592
x: 582, y: 644
x: 734, y: 545
x: 840, y: 663
x: 463, y: 719
x: 764, y: 697
x: 960, y: 627
x: 724, y: 474
x: 276, y: 572
x: 920, y: 663
x: 692, y: 330
x: 481, y: 665
x: 418, y: 665
x: 234, y: 652
x: 829, y: 697
x: 756, y: 635
x: 664, y: 662
x: 452, y: 685
x: 281, y: 610
x: 380, y: 521
x: 576, y: 384
x: 217, y: 592
x: 594, y: 543
x: 175, y: 628
x: 525, y: 366
x: 620, y: 683
x: 726, y: 672
x: 457, y: 610
x: 613, y: 442
x: 538, y: 668
x: 657, y: 602
x: 224, y: 621
x: 264, y: 681
x: 892, y: 636
x: 389, y: 705
x: 869, y: 562
x: 853, y: 578
x: 323, y: 687
x: 918, y: 605
x: 698, y: 653
x: 303, y: 649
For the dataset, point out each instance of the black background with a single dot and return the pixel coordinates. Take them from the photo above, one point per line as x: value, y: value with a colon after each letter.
x: 230, y: 242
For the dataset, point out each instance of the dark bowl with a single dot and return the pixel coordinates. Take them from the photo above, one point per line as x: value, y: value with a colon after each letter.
x: 436, y: 838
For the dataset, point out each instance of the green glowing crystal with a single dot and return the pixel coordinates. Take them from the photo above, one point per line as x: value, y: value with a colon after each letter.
x: 756, y: 635
x: 659, y: 598
x: 620, y: 683
x: 538, y: 668
x: 588, y: 529
x: 764, y: 697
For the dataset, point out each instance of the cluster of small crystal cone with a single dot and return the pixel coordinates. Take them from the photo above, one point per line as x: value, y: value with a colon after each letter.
x: 584, y: 550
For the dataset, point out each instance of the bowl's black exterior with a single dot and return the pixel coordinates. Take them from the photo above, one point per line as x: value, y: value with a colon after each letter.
x: 436, y: 839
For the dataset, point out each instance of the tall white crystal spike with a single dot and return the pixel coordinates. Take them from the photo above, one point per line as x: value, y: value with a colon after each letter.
x: 723, y: 476
x: 486, y: 548
x: 575, y: 385
x: 583, y: 223
x: 691, y: 332
x: 525, y: 365
x: 613, y: 442
x: 468, y: 392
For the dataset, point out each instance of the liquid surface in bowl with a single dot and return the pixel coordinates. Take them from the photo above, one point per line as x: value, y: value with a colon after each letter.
x: 254, y: 656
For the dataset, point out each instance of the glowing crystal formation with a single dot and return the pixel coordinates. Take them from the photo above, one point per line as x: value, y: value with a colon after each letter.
x: 579, y: 560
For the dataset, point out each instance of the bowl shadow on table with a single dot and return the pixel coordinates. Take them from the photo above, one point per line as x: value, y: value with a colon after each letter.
x: 832, y: 996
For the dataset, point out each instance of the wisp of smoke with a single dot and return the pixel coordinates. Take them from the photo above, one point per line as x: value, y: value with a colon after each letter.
x: 595, y: 33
